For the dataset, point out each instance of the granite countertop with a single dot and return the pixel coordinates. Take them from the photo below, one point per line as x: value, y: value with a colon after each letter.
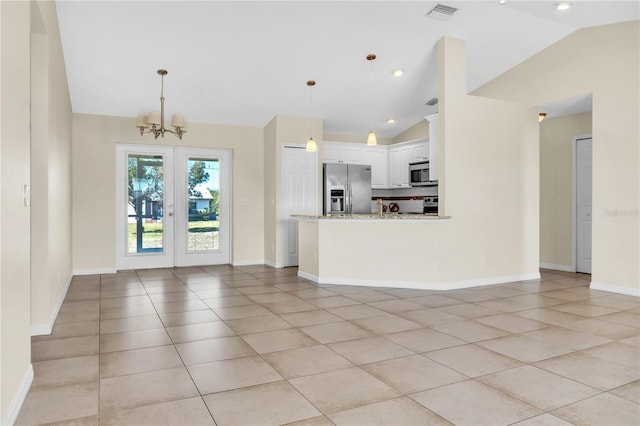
x: 374, y: 216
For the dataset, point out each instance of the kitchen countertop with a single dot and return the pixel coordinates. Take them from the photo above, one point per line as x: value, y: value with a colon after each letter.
x: 375, y: 217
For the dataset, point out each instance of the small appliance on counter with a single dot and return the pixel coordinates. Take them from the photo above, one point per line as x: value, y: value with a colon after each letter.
x: 346, y: 189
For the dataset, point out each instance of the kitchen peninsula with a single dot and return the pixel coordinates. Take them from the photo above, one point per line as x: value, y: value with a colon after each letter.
x: 389, y: 250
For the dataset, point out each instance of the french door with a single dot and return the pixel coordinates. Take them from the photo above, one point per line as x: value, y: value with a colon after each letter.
x: 173, y: 206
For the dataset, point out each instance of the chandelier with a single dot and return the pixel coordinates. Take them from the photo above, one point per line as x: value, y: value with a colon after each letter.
x: 154, y: 122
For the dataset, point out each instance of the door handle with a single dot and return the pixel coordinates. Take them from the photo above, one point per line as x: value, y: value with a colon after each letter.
x: 170, y: 214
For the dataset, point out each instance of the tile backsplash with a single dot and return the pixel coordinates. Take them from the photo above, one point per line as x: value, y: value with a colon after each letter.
x: 406, y: 206
x: 405, y: 192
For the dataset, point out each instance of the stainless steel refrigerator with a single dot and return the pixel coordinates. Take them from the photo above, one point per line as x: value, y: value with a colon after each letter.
x: 347, y: 188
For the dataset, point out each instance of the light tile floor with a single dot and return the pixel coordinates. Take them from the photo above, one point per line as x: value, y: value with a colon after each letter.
x: 255, y: 345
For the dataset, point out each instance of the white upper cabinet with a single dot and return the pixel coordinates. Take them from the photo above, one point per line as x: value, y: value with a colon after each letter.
x: 342, y: 152
x: 419, y: 150
x: 434, y: 169
x: 330, y: 152
x: 389, y: 163
x: 377, y: 157
x: 399, y: 159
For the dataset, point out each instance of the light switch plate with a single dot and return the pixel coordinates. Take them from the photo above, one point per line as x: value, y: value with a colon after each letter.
x: 27, y: 195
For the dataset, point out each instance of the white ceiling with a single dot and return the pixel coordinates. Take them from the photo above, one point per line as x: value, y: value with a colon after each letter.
x: 241, y: 62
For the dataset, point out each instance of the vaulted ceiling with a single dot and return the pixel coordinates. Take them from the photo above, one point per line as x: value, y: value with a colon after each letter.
x: 242, y: 62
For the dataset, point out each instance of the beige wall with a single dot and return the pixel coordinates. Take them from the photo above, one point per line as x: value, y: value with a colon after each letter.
x: 603, y: 61
x: 15, y: 342
x: 556, y: 191
x: 340, y: 137
x: 420, y: 130
x: 283, y: 130
x: 50, y: 169
x: 270, y: 190
x: 489, y: 156
x: 94, y: 148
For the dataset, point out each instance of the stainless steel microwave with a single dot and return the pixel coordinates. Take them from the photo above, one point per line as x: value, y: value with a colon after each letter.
x: 419, y: 174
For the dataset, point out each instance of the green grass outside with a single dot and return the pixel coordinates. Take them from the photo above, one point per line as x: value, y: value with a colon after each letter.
x: 153, y: 231
x: 157, y: 227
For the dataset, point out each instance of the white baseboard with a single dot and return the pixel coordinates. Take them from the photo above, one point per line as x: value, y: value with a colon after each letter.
x: 94, y: 271
x: 307, y: 276
x: 45, y: 329
x: 247, y: 262
x: 417, y: 285
x: 629, y: 291
x: 18, y: 398
x: 273, y: 264
x: 565, y: 268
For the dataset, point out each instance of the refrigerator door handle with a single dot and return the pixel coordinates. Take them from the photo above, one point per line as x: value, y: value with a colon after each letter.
x: 347, y: 204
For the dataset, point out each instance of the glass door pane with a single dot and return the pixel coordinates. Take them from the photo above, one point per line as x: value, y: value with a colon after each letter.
x: 202, y: 194
x: 145, y: 204
x: 203, y: 209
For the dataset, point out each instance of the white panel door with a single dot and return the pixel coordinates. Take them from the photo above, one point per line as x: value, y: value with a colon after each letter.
x: 299, y: 196
x: 583, y: 204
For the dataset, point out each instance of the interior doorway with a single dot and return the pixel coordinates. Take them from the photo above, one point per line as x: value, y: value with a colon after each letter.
x: 173, y: 206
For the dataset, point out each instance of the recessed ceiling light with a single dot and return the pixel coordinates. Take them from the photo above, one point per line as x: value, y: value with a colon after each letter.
x: 397, y: 72
x: 563, y: 6
x: 502, y: 2
x: 391, y: 120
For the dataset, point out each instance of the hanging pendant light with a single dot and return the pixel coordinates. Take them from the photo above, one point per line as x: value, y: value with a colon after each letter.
x: 371, y: 138
x: 311, y: 143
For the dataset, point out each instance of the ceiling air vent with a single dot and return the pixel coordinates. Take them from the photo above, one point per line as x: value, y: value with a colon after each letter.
x: 432, y: 102
x: 441, y: 12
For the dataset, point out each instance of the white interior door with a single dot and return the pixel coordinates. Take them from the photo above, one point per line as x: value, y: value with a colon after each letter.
x: 299, y: 196
x: 583, y: 204
x: 173, y: 206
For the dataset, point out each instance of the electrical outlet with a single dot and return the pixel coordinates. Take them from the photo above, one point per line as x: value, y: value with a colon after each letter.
x: 482, y: 260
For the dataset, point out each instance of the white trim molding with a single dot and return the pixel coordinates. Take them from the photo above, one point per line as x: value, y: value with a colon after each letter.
x: 18, y: 398
x: 46, y: 329
x: 416, y: 285
x: 565, y: 268
x: 248, y: 262
x: 94, y: 271
x: 273, y: 264
x: 629, y: 291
